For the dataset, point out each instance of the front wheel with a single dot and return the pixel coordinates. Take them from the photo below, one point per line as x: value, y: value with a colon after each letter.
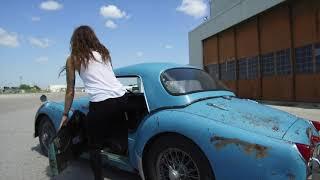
x: 176, y: 158
x: 46, y: 133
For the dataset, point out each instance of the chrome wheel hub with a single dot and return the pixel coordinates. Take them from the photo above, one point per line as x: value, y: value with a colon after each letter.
x: 175, y: 164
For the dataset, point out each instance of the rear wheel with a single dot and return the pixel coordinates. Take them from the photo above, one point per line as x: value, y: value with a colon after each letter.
x: 176, y: 158
x: 46, y: 133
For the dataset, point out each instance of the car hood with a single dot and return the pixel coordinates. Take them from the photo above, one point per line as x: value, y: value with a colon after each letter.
x: 245, y: 114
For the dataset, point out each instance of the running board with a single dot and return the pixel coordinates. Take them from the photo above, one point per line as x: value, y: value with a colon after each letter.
x: 114, y: 160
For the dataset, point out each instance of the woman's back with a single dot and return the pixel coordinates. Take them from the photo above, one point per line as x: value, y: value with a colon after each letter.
x: 99, y: 80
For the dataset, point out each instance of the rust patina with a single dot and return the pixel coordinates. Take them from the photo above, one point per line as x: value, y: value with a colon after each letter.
x: 258, y: 150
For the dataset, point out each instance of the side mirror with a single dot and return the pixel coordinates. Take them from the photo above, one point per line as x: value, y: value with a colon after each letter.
x: 43, y: 98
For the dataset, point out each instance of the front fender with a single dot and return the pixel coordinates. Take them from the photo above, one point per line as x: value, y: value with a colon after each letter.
x: 247, y: 155
x: 53, y: 110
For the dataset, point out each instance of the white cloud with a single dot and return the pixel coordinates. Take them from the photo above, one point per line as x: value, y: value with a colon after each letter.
x: 35, y: 18
x: 39, y: 42
x: 42, y: 59
x: 113, y: 12
x: 168, y: 46
x: 9, y: 39
x: 195, y: 8
x: 110, y: 24
x: 139, y: 54
x: 50, y: 5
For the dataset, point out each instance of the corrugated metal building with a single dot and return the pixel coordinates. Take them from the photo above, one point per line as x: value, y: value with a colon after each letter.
x: 262, y: 49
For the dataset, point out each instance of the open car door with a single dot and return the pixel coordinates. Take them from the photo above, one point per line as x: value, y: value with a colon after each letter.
x: 69, y: 143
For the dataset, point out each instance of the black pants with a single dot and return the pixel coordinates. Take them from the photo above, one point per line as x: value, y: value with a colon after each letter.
x: 105, y: 120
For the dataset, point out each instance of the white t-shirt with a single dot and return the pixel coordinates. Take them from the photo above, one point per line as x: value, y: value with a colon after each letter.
x: 100, y: 81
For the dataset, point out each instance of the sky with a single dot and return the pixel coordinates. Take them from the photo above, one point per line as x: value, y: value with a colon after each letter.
x: 35, y: 34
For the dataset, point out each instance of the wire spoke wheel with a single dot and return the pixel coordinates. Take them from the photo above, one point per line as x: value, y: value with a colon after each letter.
x: 175, y: 164
x: 47, y: 132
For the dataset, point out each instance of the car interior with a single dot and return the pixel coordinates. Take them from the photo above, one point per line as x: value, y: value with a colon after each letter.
x: 133, y: 113
x: 135, y: 110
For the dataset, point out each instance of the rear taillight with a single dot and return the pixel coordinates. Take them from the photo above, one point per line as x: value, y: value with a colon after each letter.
x: 305, y: 150
x: 316, y: 124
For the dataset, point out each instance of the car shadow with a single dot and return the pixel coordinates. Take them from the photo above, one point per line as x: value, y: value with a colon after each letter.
x: 315, y: 106
x: 37, y: 149
x: 80, y: 170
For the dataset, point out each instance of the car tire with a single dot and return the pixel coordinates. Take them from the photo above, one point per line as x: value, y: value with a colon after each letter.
x: 46, y: 132
x: 180, y: 150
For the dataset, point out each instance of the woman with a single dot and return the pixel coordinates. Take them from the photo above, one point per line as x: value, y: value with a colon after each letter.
x: 92, y: 61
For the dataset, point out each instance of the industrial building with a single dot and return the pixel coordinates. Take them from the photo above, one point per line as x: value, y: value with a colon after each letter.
x: 262, y: 49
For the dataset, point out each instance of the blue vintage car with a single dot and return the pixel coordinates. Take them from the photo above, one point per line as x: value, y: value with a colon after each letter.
x: 188, y: 125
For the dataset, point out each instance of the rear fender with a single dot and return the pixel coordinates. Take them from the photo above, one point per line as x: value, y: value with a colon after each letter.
x: 265, y: 157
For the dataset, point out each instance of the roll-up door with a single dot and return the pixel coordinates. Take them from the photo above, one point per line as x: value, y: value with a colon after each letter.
x: 306, y: 49
x: 247, y: 53
x: 276, y: 61
x: 227, y: 59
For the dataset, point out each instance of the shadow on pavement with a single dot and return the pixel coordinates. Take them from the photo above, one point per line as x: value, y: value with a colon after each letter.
x: 37, y: 149
x: 80, y: 170
x: 303, y: 105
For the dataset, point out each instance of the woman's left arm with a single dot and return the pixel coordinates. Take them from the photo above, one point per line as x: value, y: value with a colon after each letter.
x: 70, y: 71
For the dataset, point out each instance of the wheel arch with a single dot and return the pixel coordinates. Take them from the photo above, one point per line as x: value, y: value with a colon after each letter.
x: 151, y: 141
x: 40, y: 117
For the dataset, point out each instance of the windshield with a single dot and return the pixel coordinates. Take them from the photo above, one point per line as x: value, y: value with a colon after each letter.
x: 180, y: 81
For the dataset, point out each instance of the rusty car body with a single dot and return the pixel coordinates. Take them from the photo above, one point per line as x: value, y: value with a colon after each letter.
x: 191, y: 126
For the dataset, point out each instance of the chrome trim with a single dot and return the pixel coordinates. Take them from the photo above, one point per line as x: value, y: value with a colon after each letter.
x: 313, y: 168
x: 144, y: 92
x: 311, y: 124
x: 300, y: 155
x: 314, y: 164
x: 315, y: 160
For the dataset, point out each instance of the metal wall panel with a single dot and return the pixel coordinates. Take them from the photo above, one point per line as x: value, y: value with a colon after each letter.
x: 275, y: 38
x: 226, y: 45
x: 308, y: 88
x: 305, y: 35
x: 304, y: 22
x: 249, y: 89
x: 226, y: 56
x: 247, y: 45
x: 281, y: 43
x: 210, y: 50
x: 275, y: 29
x: 226, y: 19
x: 247, y: 39
x: 205, y: 48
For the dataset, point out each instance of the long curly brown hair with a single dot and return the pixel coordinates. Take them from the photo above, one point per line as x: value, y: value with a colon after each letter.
x: 82, y: 43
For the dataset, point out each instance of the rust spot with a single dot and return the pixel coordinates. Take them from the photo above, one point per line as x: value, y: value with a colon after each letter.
x: 257, y: 121
x: 260, y: 151
x: 275, y: 128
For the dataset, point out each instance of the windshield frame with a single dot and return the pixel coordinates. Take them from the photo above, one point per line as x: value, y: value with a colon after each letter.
x: 192, y: 92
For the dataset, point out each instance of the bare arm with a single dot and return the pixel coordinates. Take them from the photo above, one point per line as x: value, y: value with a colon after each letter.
x: 70, y: 74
